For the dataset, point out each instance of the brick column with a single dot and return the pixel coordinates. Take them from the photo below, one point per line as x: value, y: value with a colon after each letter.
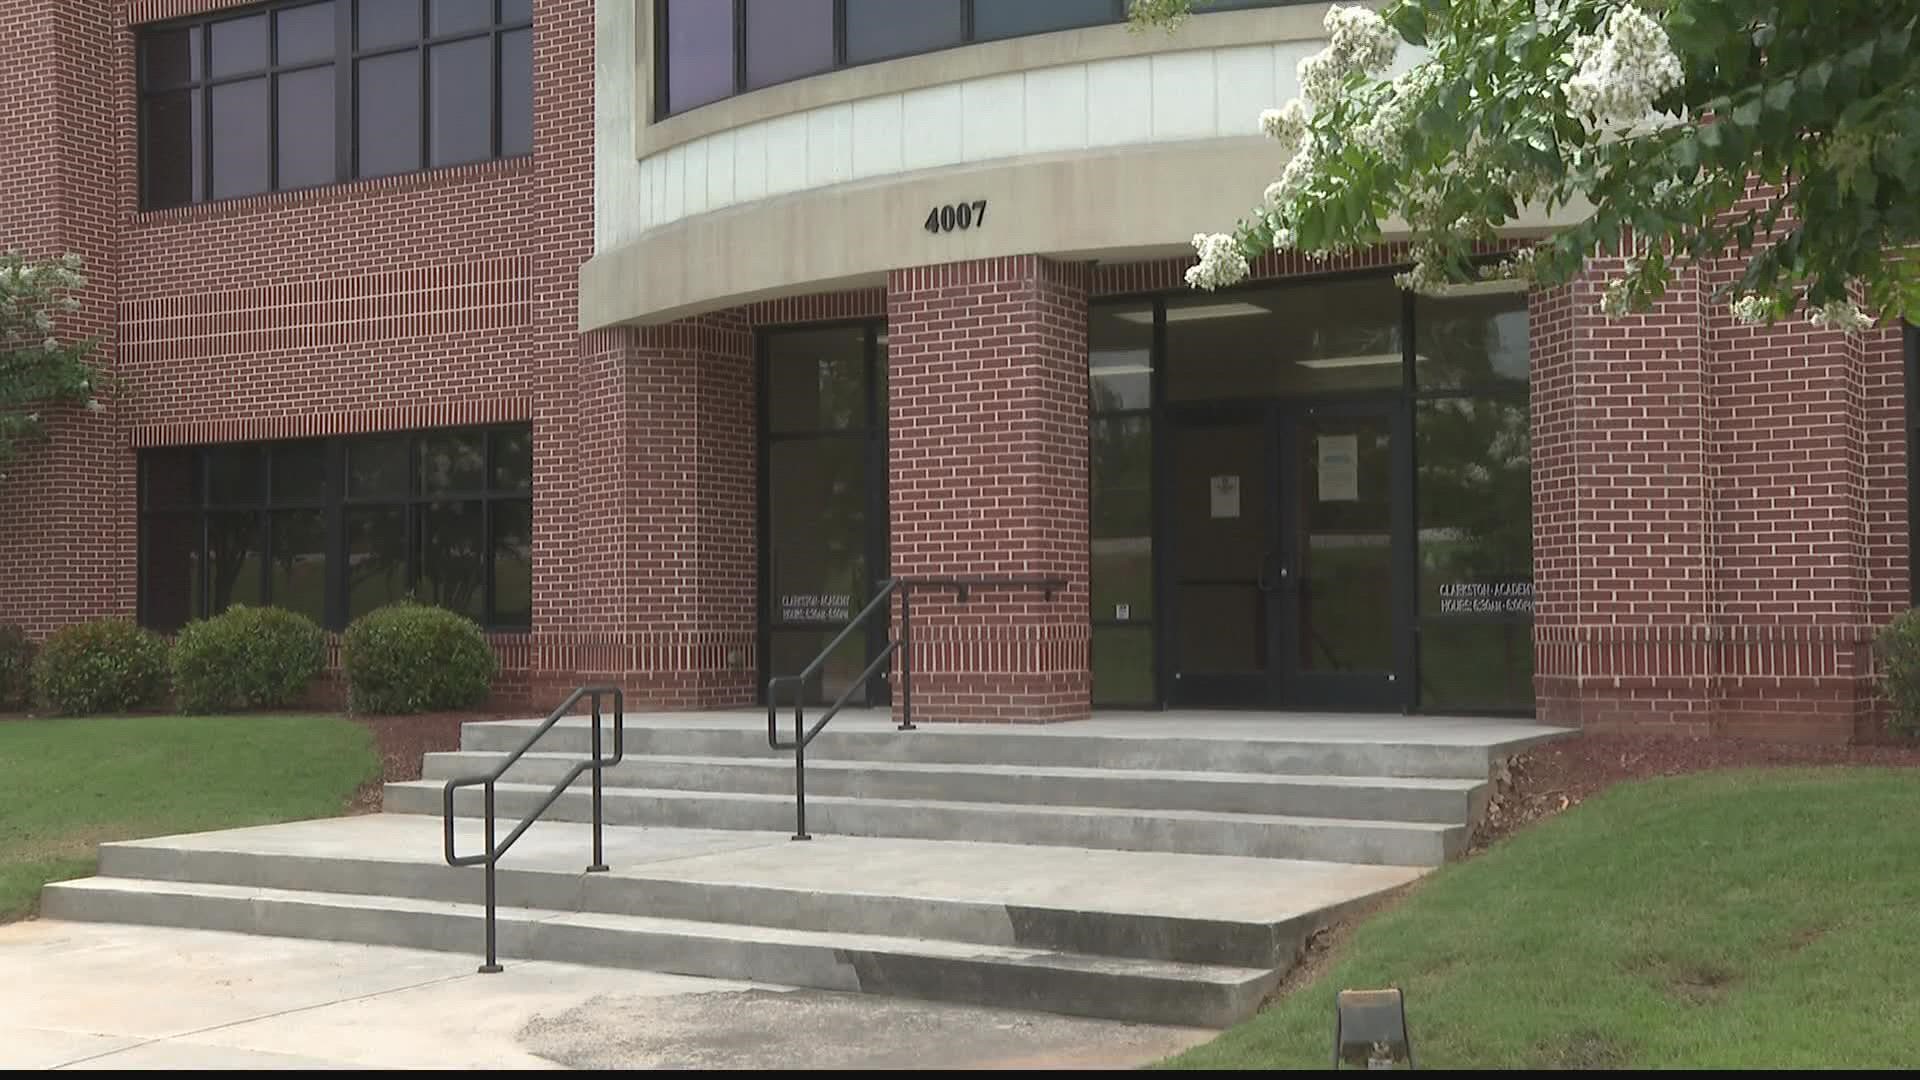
x: 988, y: 477
x: 663, y: 555
x: 1704, y: 548
x: 67, y: 525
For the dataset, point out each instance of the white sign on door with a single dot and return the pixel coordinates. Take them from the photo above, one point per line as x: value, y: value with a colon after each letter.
x: 1339, y: 468
x: 1226, y: 496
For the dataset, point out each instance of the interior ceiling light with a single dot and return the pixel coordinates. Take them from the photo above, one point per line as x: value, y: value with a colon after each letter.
x: 1364, y: 360
x: 1200, y: 311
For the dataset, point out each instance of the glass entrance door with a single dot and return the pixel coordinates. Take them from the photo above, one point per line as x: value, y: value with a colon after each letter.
x: 1289, y: 547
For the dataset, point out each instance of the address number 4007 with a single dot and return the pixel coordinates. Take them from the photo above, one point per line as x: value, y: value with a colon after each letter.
x: 956, y: 216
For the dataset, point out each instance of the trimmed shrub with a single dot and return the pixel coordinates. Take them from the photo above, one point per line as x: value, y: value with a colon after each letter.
x: 246, y: 658
x: 1898, y: 648
x: 408, y: 658
x: 16, y: 667
x: 103, y: 666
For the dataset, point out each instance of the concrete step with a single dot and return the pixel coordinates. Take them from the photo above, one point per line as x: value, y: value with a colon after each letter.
x: 1194, y: 908
x: 1366, y: 798
x: 1115, y: 988
x: 1084, y: 744
x: 1396, y: 843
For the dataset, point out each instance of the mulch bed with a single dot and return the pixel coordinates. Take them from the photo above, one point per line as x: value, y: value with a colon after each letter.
x: 404, y: 740
x: 1555, y: 776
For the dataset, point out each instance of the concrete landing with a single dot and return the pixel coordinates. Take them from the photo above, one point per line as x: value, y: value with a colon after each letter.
x: 101, y: 996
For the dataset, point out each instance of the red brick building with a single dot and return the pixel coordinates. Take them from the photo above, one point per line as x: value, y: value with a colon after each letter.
x: 654, y: 334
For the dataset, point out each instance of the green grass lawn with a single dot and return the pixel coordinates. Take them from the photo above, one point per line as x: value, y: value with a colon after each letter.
x: 1727, y: 920
x: 68, y: 784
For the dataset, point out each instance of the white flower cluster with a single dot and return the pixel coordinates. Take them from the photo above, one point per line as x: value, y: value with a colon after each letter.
x: 1427, y: 277
x: 1840, y: 315
x: 1616, y: 300
x: 1618, y: 74
x: 1381, y: 134
x: 1517, y: 266
x: 1286, y: 125
x: 1221, y: 262
x: 1294, y: 179
x: 1752, y: 310
x: 1360, y: 41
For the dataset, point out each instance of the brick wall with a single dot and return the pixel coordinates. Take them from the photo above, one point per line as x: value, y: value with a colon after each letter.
x: 988, y: 477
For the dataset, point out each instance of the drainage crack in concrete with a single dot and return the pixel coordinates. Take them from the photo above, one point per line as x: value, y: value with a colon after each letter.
x: 178, y: 1036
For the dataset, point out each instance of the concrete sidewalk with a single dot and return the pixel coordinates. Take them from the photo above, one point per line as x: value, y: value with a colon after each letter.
x: 113, y: 996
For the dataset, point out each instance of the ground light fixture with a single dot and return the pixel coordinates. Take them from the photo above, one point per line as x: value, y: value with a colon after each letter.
x: 1370, y: 1030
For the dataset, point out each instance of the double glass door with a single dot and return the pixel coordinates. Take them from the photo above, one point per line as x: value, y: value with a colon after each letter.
x: 1289, y: 550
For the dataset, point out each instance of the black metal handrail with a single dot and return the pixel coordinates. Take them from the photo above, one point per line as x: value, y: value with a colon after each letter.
x: 491, y: 857
x: 899, y: 642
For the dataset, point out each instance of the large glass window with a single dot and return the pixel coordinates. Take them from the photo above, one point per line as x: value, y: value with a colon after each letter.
x: 696, y: 62
x: 308, y: 92
x: 334, y: 528
x: 823, y: 506
x: 1120, y: 370
x: 1332, y: 337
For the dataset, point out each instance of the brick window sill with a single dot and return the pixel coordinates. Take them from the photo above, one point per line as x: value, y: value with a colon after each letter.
x: 349, y: 191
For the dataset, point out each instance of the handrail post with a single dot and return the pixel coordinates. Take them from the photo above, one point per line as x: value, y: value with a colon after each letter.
x: 799, y: 769
x: 599, y: 863
x: 492, y: 966
x: 906, y: 658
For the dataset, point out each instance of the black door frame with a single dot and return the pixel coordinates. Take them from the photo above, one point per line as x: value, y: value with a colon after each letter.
x: 1282, y: 684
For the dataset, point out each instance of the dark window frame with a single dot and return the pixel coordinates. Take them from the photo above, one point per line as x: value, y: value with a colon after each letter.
x: 344, y: 61
x: 334, y: 502
x: 662, y: 106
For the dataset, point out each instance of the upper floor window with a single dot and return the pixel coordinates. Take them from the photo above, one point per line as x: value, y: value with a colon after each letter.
x: 710, y: 49
x: 300, y: 93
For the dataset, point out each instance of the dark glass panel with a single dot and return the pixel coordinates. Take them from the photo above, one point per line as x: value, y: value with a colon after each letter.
x: 699, y: 52
x: 233, y: 560
x: 1122, y: 519
x: 1476, y: 666
x: 1334, y: 336
x: 306, y: 109
x: 239, y: 45
x: 170, y: 570
x: 454, y: 16
x: 169, y: 57
x: 516, y: 11
x: 452, y: 461
x: 513, y: 459
x: 1343, y: 529
x: 792, y: 650
x: 171, y: 155
x: 299, y: 471
x: 234, y: 476
x: 453, y: 557
x: 377, y: 467
x: 389, y: 93
x: 304, y: 34
x: 1120, y: 356
x: 462, y: 101
x: 1122, y: 666
x: 376, y: 558
x: 1222, y: 628
x: 1474, y: 506
x: 1476, y: 339
x: 242, y: 137
x: 817, y: 379
x: 513, y: 563
x: 516, y: 93
x: 297, y: 572
x: 171, y: 479
x: 1011, y: 18
x: 787, y: 39
x: 387, y: 22
x: 878, y: 29
x: 818, y: 563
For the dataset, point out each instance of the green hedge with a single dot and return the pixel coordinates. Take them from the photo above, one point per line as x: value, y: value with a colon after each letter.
x: 1898, y: 649
x: 408, y: 658
x: 246, y: 658
x: 16, y: 668
x: 103, y: 666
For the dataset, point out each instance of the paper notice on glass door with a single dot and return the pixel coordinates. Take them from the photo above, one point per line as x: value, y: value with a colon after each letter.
x: 1339, y: 468
x: 1226, y: 496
